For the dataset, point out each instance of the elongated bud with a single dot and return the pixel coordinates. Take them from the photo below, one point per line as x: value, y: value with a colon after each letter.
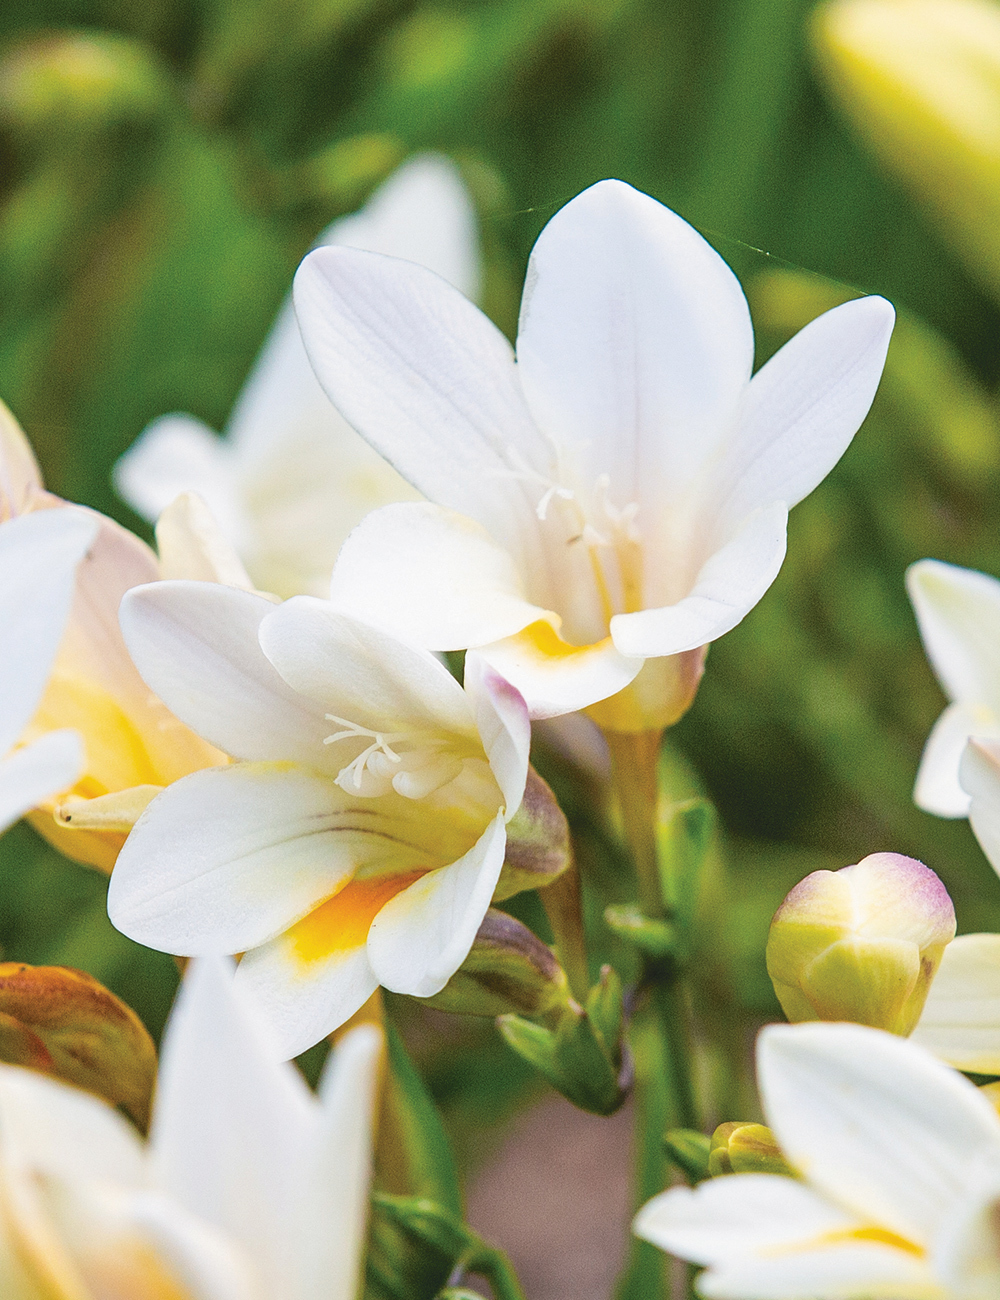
x: 862, y: 943
x: 538, y: 844
x: 741, y: 1148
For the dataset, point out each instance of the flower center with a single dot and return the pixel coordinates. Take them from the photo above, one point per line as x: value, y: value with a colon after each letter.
x: 413, y: 763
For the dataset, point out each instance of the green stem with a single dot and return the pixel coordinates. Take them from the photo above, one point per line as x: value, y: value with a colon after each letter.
x: 561, y: 900
x: 633, y: 769
x: 671, y: 1008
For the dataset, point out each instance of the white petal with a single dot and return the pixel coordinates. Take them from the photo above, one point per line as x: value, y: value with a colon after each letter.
x: 334, y: 1192
x: 356, y: 671
x: 176, y: 454
x: 191, y: 545
x: 555, y: 677
x: 979, y: 774
x: 431, y: 576
x: 64, y: 1131
x: 938, y: 789
x: 635, y: 342
x: 960, y: 1021
x: 430, y: 382
x: 301, y: 1001
x: 20, y: 477
x: 858, y: 1270
x: 233, y: 1128
x: 958, y: 613
x: 727, y: 587
x: 875, y: 1122
x: 803, y: 408
x: 228, y: 857
x: 966, y: 1256
x: 39, y: 553
x: 504, y: 725
x: 35, y: 773
x: 422, y: 936
x: 196, y: 645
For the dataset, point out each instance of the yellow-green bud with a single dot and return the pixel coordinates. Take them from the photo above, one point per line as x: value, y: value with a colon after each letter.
x: 740, y: 1148
x: 862, y: 943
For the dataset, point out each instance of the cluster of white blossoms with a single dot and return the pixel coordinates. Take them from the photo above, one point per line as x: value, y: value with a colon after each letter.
x: 254, y: 731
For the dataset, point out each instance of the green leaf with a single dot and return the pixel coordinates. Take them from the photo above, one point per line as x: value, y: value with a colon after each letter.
x: 689, y: 1150
x: 652, y: 935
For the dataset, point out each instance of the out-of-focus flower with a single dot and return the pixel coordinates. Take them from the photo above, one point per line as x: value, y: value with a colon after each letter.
x: 362, y: 837
x: 619, y: 493
x: 862, y: 943
x: 958, y: 613
x: 900, y: 1165
x: 250, y: 1186
x: 960, y: 1021
x: 920, y: 81
x: 290, y: 479
x: 38, y: 561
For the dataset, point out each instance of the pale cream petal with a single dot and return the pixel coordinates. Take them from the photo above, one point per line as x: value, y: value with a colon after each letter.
x: 979, y: 774
x: 20, y: 477
x: 191, y: 545
x: 938, y: 788
x: 960, y: 1022
x: 36, y: 772
x: 958, y: 613
x: 504, y: 726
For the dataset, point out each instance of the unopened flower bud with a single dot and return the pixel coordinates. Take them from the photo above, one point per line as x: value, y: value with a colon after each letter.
x: 741, y: 1148
x: 862, y: 943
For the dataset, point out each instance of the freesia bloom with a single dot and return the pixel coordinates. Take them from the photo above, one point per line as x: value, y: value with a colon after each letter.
x: 290, y: 479
x: 900, y: 1164
x: 960, y: 1022
x: 250, y: 1186
x: 958, y: 613
x: 360, y: 839
x: 616, y: 494
x: 38, y: 560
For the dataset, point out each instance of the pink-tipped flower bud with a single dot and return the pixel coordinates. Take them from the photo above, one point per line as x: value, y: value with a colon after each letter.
x: 862, y: 943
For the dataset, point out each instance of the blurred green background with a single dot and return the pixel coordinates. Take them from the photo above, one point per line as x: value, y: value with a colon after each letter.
x: 164, y: 166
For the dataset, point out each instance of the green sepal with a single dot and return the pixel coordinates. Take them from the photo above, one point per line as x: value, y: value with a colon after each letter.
x: 739, y: 1147
x: 653, y: 936
x: 538, y: 842
x: 689, y: 1150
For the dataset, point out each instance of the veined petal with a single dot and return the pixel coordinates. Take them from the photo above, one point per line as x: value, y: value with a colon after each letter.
x: 191, y: 545
x: 504, y: 725
x: 875, y: 1122
x: 422, y: 935
x: 960, y: 1022
x: 227, y: 858
x: 356, y: 671
x: 430, y: 382
x: 334, y: 1190
x: 431, y: 576
x: 938, y: 789
x: 233, y: 1128
x: 729, y: 584
x: 979, y: 774
x: 196, y: 645
x: 958, y: 613
x: 554, y: 677
x: 803, y: 407
x: 20, y: 477
x: 176, y: 454
x: 36, y: 772
x: 39, y: 554
x: 634, y: 343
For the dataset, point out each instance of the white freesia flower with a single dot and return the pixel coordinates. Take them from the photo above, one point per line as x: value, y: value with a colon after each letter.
x: 958, y: 613
x: 250, y: 1188
x: 618, y: 492
x: 900, y: 1189
x: 960, y: 1021
x: 39, y: 554
x: 361, y: 838
x: 290, y: 479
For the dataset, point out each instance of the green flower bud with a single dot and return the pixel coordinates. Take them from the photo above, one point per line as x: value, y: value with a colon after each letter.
x: 862, y: 943
x: 741, y: 1148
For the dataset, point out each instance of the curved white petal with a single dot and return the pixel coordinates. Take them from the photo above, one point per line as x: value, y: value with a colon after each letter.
x: 233, y: 1129
x: 960, y: 1021
x: 803, y: 408
x: 937, y: 788
x: 727, y: 587
x: 421, y: 937
x: 634, y: 343
x: 196, y: 646
x: 431, y: 576
x: 875, y: 1122
x: 958, y: 613
x: 966, y: 1256
x: 191, y: 544
x: 35, y: 773
x: 430, y: 382
x: 356, y: 671
x: 554, y: 677
x: 979, y: 774
x: 856, y: 1270
x: 20, y: 477
x: 303, y: 1001
x: 39, y: 553
x: 228, y: 857
x: 175, y: 454
x: 504, y: 726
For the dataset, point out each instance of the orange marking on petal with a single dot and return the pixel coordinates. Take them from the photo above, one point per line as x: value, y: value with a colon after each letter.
x: 343, y: 922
